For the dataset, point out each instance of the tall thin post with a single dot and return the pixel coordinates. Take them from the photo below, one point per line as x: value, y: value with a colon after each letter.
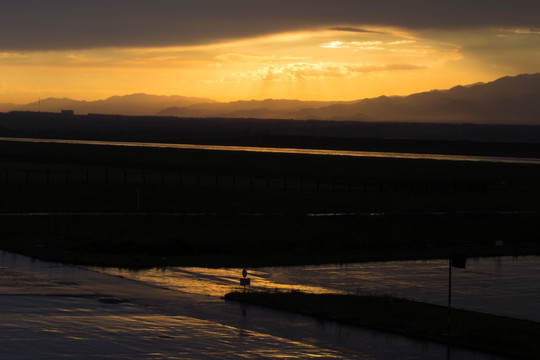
x: 449, y: 294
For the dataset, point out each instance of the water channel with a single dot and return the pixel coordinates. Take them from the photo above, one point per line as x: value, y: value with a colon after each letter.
x: 378, y: 154
x: 178, y: 313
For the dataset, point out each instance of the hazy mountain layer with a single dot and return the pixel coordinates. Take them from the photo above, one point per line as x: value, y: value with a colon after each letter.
x: 134, y: 104
x: 508, y: 100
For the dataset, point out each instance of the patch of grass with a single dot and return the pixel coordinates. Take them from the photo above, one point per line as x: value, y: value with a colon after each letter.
x: 236, y: 240
x: 502, y: 335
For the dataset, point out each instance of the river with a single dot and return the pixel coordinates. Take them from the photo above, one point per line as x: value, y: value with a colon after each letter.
x: 52, y: 311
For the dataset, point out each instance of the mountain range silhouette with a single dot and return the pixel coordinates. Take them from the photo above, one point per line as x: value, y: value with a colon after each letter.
x: 508, y: 100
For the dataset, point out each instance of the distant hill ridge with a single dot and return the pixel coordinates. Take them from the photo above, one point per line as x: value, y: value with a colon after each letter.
x: 508, y: 100
x: 133, y: 104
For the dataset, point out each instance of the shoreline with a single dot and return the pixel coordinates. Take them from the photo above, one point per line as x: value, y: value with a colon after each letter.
x: 414, y: 319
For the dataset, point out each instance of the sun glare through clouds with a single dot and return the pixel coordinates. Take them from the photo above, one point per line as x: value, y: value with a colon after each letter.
x: 338, y: 63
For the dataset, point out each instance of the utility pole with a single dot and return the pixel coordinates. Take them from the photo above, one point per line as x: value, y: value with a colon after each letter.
x: 449, y: 295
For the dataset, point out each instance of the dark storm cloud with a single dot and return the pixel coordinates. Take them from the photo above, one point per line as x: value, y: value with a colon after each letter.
x: 76, y: 24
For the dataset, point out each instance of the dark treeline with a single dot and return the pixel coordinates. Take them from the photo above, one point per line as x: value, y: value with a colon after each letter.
x: 411, y: 137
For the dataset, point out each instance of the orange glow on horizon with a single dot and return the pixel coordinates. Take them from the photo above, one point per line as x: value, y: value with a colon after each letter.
x: 328, y: 65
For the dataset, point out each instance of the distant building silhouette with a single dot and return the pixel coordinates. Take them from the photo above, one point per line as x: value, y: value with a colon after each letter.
x: 67, y: 112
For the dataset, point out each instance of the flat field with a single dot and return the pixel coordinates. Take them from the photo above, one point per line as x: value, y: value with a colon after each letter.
x: 142, y: 207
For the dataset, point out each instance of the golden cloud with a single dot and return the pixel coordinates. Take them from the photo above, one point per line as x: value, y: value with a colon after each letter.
x: 365, y: 45
x: 244, y: 58
x: 314, y: 71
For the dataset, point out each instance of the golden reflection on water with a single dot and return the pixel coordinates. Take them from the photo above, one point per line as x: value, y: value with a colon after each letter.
x: 482, y: 286
x: 326, y: 152
x: 105, y: 335
x: 207, y: 281
x: 84, y: 327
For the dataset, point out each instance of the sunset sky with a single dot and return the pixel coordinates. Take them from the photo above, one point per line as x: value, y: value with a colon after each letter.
x: 240, y: 50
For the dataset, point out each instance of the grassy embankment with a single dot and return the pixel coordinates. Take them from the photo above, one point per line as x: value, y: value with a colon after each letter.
x: 501, y: 335
x: 225, y: 189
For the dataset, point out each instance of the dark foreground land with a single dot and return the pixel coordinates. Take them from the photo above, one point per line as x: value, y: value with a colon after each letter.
x: 139, y: 207
x: 501, y: 335
x: 142, y: 207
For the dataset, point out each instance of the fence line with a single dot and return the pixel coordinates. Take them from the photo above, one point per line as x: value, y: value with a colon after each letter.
x: 228, y: 180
